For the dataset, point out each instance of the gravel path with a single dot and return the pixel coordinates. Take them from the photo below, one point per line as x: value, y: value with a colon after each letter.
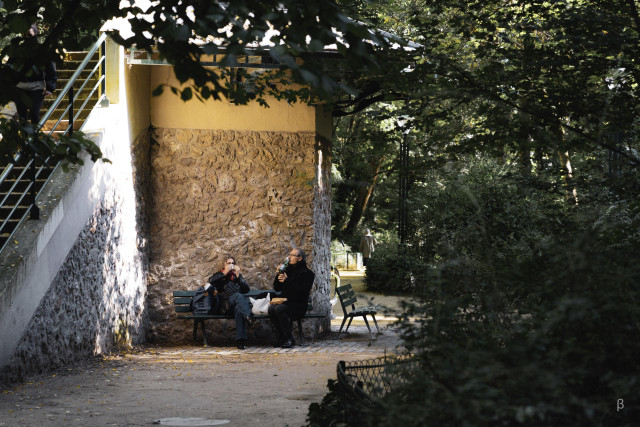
x: 258, y: 386
x: 189, y: 386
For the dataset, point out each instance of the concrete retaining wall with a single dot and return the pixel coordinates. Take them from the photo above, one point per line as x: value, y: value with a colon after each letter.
x: 77, y: 284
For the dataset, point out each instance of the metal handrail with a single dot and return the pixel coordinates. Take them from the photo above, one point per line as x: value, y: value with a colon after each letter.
x: 74, y: 97
x: 72, y: 79
x: 38, y: 171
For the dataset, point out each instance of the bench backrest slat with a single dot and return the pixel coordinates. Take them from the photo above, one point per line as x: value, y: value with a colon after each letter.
x: 347, y: 296
x: 184, y: 293
x: 182, y: 301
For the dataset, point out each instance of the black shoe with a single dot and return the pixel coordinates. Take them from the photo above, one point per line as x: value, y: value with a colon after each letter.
x: 249, y: 319
x: 241, y: 344
x: 288, y: 343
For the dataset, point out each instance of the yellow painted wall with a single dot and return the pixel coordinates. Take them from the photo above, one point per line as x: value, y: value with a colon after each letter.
x: 137, y: 94
x: 169, y: 111
x: 324, y: 122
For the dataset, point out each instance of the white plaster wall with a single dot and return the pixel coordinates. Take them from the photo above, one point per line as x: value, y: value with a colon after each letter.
x: 79, y: 286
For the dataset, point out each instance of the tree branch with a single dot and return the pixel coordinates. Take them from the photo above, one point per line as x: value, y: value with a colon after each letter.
x: 574, y: 129
x: 634, y: 13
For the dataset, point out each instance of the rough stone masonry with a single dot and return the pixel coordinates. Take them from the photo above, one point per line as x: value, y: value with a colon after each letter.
x: 253, y: 195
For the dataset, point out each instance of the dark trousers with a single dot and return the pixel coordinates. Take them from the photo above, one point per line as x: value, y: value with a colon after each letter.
x: 239, y: 306
x: 280, y: 315
x: 37, y: 98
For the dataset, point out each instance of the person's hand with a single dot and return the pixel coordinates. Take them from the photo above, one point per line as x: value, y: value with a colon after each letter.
x: 236, y: 270
x: 47, y: 94
x: 282, y: 277
x: 228, y: 268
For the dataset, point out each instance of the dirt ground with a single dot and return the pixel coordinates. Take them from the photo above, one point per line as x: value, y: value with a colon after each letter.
x: 188, y: 386
x: 215, y: 385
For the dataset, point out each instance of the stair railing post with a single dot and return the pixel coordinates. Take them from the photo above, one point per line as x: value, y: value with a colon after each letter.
x: 34, y: 211
x: 101, y: 58
x: 71, y: 110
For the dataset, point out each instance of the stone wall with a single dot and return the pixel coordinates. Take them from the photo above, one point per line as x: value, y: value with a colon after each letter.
x: 253, y: 195
x: 96, y: 301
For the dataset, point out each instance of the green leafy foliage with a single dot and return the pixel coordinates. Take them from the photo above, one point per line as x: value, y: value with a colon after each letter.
x: 340, y: 407
x: 529, y: 311
x: 69, y: 149
x: 549, y: 342
x: 184, y: 32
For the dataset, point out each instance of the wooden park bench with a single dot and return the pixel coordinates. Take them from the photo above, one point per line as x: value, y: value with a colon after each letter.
x: 182, y: 303
x: 348, y: 300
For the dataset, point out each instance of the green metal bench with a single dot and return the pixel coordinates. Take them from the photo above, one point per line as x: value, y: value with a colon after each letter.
x: 182, y: 306
x: 348, y: 301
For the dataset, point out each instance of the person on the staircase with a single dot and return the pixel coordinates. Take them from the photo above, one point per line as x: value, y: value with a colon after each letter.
x: 35, y: 84
x: 230, y: 285
x: 295, y: 286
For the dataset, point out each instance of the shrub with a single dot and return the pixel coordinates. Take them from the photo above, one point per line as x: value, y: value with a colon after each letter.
x: 530, y: 308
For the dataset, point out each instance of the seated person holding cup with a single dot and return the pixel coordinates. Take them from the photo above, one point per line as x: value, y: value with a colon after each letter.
x: 294, y: 282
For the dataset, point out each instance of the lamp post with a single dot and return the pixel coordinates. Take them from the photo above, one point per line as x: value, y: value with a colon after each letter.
x: 403, y: 191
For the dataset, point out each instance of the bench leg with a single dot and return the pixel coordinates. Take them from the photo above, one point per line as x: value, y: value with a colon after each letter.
x: 195, y: 330
x: 204, y: 334
x: 364, y: 316
x: 348, y: 324
x: 339, y: 330
x: 300, y: 331
x: 374, y: 321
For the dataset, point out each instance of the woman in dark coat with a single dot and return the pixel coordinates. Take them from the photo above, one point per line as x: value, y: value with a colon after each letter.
x: 230, y: 286
x: 295, y: 285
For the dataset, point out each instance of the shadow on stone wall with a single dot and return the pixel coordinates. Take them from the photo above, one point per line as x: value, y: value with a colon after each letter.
x: 252, y: 195
x: 97, y: 299
x: 95, y: 303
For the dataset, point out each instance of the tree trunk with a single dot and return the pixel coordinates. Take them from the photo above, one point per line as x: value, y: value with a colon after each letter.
x: 571, y: 193
x: 363, y: 196
x: 539, y: 159
x: 342, y: 192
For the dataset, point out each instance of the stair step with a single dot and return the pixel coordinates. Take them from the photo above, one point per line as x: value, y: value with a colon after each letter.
x: 5, y: 211
x: 9, y: 227
x: 65, y: 117
x: 73, y: 65
x: 79, y: 97
x: 62, y: 126
x: 10, y: 224
x: 77, y: 103
x: 76, y: 56
x: 66, y: 73
x: 62, y: 81
x: 22, y: 185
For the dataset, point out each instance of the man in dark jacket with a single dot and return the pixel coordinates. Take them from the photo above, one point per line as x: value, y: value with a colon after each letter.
x: 295, y: 285
x: 35, y: 84
x: 229, y: 286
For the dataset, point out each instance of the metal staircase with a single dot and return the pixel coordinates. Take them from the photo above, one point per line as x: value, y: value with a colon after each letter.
x: 81, y: 85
